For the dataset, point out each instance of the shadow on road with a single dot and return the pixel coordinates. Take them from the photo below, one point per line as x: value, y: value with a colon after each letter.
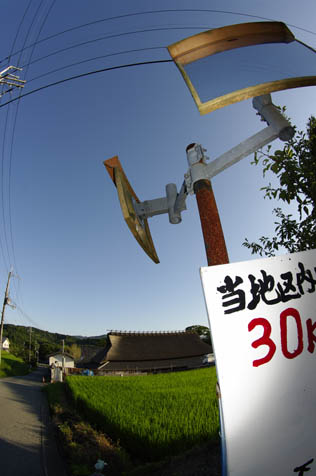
x: 27, y: 443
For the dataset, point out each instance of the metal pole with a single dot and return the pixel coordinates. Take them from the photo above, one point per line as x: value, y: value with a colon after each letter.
x: 6, y: 296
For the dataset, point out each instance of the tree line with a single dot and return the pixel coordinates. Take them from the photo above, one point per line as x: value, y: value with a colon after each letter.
x: 38, y: 344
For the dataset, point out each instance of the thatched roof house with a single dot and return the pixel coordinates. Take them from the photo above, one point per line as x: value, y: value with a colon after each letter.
x: 150, y: 352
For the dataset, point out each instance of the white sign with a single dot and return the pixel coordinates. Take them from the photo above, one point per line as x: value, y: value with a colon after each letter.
x: 262, y: 317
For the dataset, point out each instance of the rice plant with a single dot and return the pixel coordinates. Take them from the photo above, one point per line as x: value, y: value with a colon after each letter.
x: 152, y: 416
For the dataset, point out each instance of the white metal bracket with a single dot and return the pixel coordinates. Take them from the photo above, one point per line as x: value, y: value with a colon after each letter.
x: 174, y: 203
x: 279, y: 127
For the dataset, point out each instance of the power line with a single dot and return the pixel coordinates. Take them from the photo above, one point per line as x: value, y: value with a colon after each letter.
x: 41, y: 26
x: 5, y: 132
x: 96, y: 58
x: 15, y: 123
x: 116, y: 35
x: 3, y: 151
x: 89, y: 73
x: 184, y: 10
x: 6, y: 243
x: 5, y: 126
x: 34, y: 323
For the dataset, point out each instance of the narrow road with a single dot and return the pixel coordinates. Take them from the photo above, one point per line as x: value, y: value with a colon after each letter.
x: 27, y: 444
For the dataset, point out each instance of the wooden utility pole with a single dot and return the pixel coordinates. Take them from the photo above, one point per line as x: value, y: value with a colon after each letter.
x: 63, y: 357
x: 30, y: 345
x: 5, y: 301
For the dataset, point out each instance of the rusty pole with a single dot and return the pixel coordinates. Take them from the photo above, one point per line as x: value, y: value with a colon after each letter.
x: 215, y: 246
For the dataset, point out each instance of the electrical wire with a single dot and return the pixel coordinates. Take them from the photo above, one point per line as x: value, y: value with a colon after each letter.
x: 89, y: 73
x: 180, y: 10
x: 104, y: 69
x: 3, y: 155
x: 5, y: 126
x: 4, y: 139
x: 17, y: 291
x: 2, y: 195
x: 26, y: 316
x: 94, y: 59
x: 15, y: 122
x: 116, y: 35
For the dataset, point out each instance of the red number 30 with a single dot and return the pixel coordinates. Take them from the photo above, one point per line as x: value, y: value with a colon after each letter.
x: 264, y: 340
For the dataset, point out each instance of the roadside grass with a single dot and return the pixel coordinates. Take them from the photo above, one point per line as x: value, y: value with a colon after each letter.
x: 155, y: 416
x: 80, y: 443
x: 12, y: 366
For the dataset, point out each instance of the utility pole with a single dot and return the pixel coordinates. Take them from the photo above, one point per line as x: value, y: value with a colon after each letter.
x: 30, y: 343
x: 5, y: 302
x: 63, y: 357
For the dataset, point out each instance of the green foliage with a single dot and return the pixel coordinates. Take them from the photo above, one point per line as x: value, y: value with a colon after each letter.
x: 203, y: 332
x: 74, y: 350
x: 43, y: 342
x: 156, y: 415
x: 295, y: 167
x: 55, y: 395
x: 12, y: 365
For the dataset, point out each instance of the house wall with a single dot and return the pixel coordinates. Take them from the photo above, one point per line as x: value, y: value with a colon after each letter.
x: 69, y: 363
x: 6, y: 344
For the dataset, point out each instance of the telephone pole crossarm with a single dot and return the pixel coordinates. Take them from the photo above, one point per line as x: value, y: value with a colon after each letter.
x: 7, y: 78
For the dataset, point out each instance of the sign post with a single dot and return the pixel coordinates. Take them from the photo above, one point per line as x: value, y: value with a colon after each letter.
x: 263, y: 326
x: 215, y: 246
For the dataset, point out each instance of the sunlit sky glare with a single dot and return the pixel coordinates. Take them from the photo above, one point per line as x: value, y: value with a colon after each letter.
x: 80, y: 270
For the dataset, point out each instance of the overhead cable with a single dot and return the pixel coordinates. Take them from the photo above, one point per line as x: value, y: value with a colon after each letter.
x: 178, y: 10
x: 89, y: 73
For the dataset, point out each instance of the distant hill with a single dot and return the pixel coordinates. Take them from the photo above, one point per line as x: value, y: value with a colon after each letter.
x: 103, y: 336
x: 44, y: 343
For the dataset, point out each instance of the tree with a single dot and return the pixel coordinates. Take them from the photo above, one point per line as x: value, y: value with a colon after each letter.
x: 202, y: 331
x: 75, y: 351
x: 295, y: 168
x: 46, y: 348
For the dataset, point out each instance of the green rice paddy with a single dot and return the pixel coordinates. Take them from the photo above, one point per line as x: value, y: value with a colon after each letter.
x: 152, y: 416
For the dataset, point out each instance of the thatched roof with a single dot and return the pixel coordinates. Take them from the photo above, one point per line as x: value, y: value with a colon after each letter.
x: 91, y: 356
x: 152, y: 365
x: 131, y: 347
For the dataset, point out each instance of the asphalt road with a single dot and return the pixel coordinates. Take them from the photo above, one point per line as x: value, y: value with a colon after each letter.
x: 27, y: 443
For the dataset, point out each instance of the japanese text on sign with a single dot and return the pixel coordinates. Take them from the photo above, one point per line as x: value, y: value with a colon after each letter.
x: 266, y: 288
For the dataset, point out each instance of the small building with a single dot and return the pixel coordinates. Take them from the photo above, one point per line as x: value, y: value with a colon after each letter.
x: 5, y: 344
x: 150, y: 352
x: 60, y: 359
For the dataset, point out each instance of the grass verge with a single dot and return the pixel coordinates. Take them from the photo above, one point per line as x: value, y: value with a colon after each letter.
x: 12, y: 366
x: 81, y: 444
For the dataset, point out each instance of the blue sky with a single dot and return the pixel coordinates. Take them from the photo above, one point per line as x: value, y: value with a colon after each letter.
x: 80, y: 270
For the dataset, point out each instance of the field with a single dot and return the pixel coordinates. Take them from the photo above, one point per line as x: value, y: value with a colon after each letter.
x: 157, y: 415
x: 11, y: 365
